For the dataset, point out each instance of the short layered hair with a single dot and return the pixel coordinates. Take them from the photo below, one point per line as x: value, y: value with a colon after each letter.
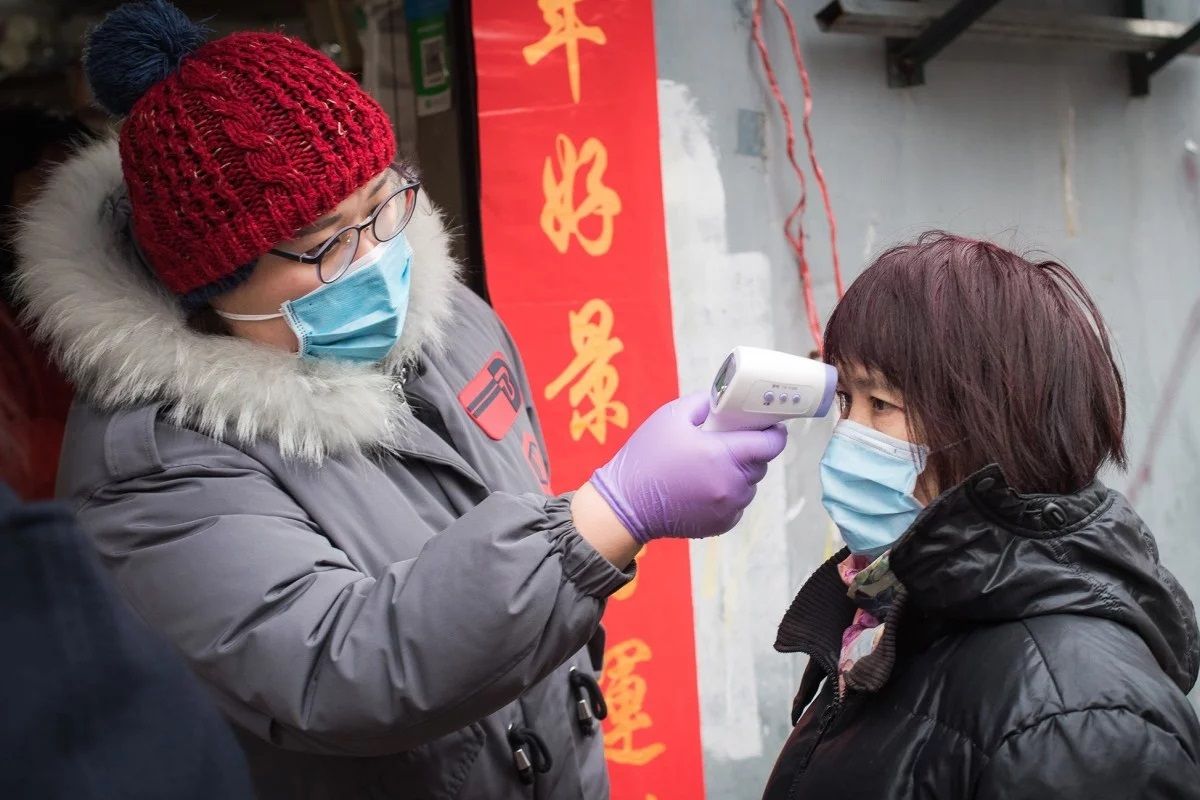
x: 999, y: 359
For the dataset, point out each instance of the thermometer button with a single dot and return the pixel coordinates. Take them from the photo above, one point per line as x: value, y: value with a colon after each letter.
x: 768, y: 398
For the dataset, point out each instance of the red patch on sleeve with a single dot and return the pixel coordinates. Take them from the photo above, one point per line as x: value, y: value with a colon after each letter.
x: 493, y: 397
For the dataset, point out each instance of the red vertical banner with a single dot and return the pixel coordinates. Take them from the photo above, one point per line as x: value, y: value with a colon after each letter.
x: 575, y: 249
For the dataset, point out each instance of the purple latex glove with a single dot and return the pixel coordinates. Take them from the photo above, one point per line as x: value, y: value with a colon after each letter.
x: 673, y: 480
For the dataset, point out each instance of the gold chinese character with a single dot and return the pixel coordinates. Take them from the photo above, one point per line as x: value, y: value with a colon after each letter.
x: 560, y: 215
x: 566, y: 30
x: 590, y: 374
x: 625, y: 692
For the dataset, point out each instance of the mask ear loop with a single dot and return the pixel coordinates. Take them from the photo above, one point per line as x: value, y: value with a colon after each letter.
x: 248, y: 317
x: 925, y: 461
x: 144, y: 263
x: 946, y: 447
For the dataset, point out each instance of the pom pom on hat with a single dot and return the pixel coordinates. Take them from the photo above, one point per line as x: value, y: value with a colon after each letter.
x: 135, y: 47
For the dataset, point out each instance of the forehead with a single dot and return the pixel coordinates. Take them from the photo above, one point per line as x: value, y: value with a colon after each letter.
x: 856, y: 376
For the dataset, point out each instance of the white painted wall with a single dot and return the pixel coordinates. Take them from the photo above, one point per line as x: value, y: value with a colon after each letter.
x: 1030, y: 146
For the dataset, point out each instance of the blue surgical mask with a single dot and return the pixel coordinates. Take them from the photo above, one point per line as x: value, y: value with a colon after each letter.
x: 358, y: 317
x: 867, y: 484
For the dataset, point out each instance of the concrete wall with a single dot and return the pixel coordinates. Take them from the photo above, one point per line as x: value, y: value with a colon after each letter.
x: 1031, y: 146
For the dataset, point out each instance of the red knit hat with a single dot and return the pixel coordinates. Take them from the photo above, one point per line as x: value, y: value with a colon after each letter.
x: 229, y: 147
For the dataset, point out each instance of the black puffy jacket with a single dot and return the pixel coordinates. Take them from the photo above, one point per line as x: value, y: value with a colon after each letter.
x: 1037, y: 649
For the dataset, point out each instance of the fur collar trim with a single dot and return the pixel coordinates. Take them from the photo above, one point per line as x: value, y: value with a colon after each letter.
x: 123, y: 340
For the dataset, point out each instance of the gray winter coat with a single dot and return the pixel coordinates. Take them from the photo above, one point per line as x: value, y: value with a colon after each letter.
x: 375, y: 588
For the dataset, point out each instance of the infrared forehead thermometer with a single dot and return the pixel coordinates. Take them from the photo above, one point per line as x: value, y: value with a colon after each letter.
x: 756, y: 388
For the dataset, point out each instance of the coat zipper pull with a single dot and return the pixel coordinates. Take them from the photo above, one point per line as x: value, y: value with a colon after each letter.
x: 589, y: 701
x: 583, y: 713
x: 523, y: 764
x: 530, y: 753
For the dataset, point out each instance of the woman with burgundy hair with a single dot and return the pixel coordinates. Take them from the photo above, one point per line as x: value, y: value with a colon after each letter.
x: 999, y: 625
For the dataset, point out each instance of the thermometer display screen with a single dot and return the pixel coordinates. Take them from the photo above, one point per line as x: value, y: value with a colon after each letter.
x: 724, y: 377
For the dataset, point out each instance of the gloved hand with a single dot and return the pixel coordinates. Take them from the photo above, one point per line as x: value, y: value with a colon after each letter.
x: 673, y: 480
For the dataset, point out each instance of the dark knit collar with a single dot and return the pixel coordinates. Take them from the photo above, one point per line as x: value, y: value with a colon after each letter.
x: 815, y: 622
x: 820, y: 612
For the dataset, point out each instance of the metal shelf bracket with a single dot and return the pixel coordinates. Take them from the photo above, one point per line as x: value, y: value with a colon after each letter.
x: 906, y: 59
x: 1143, y: 65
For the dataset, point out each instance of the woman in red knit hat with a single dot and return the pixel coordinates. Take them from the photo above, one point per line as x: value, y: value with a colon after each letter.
x: 301, y: 446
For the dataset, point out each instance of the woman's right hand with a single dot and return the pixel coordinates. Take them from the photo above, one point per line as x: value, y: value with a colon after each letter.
x: 674, y: 480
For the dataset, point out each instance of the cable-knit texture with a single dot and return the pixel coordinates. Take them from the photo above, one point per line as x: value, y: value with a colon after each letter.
x: 253, y: 137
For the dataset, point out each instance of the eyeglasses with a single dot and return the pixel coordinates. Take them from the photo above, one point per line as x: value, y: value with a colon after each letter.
x: 337, y: 253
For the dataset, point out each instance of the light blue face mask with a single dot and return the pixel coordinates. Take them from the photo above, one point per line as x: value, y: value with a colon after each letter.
x: 358, y: 317
x: 867, y: 484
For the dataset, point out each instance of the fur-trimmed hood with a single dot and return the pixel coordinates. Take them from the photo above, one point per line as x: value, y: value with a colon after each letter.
x: 123, y: 340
